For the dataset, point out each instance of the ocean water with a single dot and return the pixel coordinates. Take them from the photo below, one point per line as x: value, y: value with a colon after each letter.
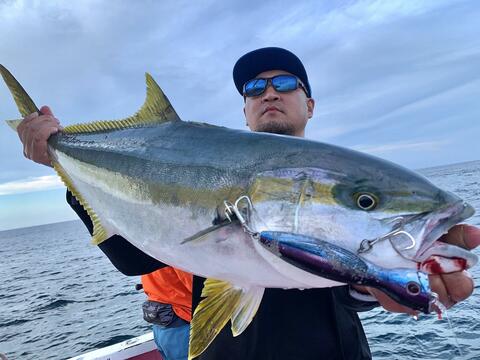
x: 60, y: 296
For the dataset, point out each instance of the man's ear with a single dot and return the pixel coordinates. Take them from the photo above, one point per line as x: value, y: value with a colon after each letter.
x: 245, y: 114
x: 310, y: 107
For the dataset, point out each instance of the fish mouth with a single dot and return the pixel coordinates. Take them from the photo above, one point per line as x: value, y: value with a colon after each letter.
x: 441, y: 221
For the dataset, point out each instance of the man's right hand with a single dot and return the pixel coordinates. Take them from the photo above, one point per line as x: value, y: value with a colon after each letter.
x: 34, y: 132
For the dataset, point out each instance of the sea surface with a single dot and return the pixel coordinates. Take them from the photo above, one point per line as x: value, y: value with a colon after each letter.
x: 60, y: 296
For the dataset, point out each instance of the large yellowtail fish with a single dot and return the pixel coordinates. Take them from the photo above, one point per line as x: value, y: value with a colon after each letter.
x: 250, y: 211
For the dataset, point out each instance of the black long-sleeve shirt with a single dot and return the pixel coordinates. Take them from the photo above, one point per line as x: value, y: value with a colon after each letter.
x: 311, y: 324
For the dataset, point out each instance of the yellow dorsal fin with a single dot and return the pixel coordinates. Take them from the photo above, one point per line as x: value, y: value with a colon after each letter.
x: 222, y: 302
x: 156, y: 109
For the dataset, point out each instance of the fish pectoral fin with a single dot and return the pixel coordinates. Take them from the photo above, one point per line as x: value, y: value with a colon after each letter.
x: 223, y: 301
x: 156, y: 109
x: 203, y: 234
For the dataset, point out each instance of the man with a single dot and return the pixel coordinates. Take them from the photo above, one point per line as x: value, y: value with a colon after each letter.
x: 289, y: 324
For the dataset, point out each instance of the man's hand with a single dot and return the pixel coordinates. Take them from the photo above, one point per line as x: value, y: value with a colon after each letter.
x: 34, y: 132
x: 451, y: 288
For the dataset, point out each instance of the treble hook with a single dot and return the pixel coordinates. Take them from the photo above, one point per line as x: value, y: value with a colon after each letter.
x: 411, y: 246
x: 367, y: 245
x: 231, y: 209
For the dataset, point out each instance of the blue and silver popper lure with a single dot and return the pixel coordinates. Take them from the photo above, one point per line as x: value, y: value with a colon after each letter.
x: 408, y: 287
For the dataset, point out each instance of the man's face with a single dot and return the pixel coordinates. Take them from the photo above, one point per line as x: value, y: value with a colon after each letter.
x: 279, y: 113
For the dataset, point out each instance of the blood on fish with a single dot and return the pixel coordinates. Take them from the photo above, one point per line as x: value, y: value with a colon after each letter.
x: 462, y: 263
x: 432, y: 266
x: 437, y: 265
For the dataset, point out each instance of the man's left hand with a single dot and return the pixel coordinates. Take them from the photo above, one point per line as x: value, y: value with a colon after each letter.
x: 451, y: 288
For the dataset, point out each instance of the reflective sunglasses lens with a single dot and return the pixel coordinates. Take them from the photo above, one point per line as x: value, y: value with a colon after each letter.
x: 284, y: 83
x: 254, y: 87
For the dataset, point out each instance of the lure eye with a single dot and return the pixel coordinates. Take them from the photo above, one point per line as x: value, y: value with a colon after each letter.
x: 366, y: 201
x: 413, y: 288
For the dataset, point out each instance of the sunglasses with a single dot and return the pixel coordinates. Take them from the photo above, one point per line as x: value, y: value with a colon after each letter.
x: 281, y: 83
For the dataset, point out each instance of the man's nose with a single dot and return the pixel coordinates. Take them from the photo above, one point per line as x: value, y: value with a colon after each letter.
x: 270, y: 94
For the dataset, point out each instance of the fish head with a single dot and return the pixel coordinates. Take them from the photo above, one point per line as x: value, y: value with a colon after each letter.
x: 381, y: 211
x: 400, y: 208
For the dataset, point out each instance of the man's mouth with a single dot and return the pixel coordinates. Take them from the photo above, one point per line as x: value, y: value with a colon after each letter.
x: 269, y: 109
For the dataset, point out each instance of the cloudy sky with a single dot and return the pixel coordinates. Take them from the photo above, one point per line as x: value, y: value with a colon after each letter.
x: 397, y: 79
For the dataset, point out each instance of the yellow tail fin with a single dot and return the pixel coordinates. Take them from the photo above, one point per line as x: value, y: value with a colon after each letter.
x: 13, y: 123
x: 25, y: 104
x: 156, y: 109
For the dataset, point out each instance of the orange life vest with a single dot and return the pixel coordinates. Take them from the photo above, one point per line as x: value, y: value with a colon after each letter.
x: 170, y: 286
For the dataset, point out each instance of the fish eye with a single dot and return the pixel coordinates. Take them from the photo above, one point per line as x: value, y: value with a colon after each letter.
x: 366, y: 201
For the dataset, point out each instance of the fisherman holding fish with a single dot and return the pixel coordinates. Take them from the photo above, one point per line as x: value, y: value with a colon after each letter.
x: 315, y: 323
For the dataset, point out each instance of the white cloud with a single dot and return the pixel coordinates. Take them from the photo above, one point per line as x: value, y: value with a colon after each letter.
x: 405, y: 146
x: 325, y: 133
x: 40, y: 183
x: 378, y: 11
x: 326, y: 21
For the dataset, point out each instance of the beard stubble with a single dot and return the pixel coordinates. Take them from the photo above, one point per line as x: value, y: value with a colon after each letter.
x: 276, y: 127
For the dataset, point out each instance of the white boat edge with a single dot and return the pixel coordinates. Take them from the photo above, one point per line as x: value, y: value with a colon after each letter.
x: 140, y: 347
